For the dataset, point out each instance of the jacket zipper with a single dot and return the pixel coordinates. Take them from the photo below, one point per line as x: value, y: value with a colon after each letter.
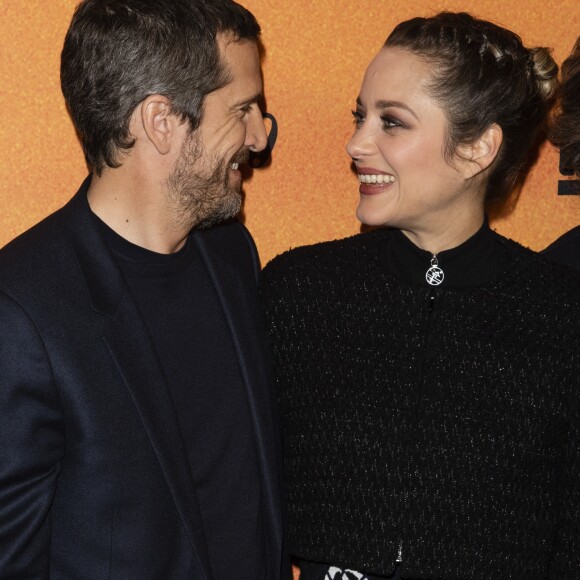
x: 426, y: 334
x: 427, y: 330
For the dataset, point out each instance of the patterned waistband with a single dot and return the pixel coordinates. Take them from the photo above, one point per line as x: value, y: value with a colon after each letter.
x: 315, y: 571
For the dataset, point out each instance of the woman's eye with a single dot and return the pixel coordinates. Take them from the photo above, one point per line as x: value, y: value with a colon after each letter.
x: 358, y: 117
x: 390, y: 122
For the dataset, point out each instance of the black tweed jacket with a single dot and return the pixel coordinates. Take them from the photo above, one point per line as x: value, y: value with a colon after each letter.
x: 439, y: 427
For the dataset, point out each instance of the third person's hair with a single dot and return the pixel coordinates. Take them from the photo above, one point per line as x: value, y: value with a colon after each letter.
x: 565, y: 132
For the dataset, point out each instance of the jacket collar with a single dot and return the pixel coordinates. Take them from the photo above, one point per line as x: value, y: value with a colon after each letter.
x: 241, y: 315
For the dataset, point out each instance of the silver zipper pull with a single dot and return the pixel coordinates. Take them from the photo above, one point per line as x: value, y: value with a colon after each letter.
x: 399, y: 554
x: 434, y: 274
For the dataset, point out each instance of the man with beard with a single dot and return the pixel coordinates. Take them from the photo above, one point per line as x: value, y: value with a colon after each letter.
x: 138, y: 435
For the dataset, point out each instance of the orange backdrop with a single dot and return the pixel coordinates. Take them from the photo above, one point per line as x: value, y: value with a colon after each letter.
x: 316, y: 53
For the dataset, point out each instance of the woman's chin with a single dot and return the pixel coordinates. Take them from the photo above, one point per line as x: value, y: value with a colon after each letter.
x: 369, y: 217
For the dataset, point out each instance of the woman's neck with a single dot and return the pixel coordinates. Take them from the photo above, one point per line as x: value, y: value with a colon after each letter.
x: 445, y: 234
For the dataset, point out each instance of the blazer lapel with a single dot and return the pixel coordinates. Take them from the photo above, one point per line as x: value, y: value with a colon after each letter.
x: 128, y: 341
x: 238, y: 314
x: 136, y: 360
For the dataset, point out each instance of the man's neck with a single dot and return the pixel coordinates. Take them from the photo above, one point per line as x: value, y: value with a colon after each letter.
x: 136, y: 208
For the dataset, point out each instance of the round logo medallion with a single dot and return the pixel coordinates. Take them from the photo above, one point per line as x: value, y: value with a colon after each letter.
x: 434, y: 275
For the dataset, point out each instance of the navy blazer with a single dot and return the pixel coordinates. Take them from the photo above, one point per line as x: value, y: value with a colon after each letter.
x: 94, y: 477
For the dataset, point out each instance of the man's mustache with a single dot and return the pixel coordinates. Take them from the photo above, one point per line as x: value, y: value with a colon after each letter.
x: 241, y: 156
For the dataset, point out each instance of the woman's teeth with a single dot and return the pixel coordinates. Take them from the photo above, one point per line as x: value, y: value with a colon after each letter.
x: 234, y: 166
x: 379, y: 178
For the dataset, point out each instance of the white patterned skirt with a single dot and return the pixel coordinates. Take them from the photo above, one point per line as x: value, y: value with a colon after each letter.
x: 315, y: 571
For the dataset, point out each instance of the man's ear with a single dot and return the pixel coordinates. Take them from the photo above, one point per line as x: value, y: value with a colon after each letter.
x: 480, y: 154
x: 158, y: 122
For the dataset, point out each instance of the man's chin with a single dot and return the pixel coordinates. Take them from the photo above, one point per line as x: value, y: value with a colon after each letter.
x: 234, y: 180
x: 224, y: 213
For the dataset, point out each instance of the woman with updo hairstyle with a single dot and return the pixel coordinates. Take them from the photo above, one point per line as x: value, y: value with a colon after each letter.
x: 428, y: 370
x: 565, y: 134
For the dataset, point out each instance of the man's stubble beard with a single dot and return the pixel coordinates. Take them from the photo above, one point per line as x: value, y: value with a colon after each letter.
x: 201, y: 199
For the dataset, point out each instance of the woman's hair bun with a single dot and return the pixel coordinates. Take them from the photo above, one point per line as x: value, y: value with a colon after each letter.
x: 545, y: 71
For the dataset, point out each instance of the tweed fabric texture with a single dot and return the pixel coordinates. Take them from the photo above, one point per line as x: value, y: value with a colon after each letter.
x: 442, y: 423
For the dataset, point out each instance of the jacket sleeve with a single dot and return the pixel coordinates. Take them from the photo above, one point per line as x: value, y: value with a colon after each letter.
x: 566, y: 556
x: 253, y: 251
x: 31, y: 445
x: 566, y: 562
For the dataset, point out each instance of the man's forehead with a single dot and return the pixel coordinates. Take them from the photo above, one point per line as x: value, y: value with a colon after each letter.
x: 242, y: 63
x: 238, y: 53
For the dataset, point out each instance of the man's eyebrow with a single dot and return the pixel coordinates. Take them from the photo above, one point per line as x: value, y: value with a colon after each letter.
x: 253, y: 99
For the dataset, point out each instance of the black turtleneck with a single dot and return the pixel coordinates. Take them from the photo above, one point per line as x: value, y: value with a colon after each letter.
x: 187, y: 327
x: 476, y: 261
x: 430, y: 431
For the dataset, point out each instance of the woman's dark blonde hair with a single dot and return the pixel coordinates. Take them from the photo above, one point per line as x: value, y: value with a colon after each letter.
x: 483, y: 74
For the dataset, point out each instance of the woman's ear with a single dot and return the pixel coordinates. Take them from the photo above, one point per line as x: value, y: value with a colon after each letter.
x: 480, y: 154
x: 158, y: 122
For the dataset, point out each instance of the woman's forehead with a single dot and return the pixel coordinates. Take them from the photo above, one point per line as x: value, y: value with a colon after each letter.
x: 395, y: 74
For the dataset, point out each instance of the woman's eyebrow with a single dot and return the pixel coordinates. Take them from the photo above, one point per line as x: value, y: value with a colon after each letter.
x: 398, y: 104
x: 382, y: 104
